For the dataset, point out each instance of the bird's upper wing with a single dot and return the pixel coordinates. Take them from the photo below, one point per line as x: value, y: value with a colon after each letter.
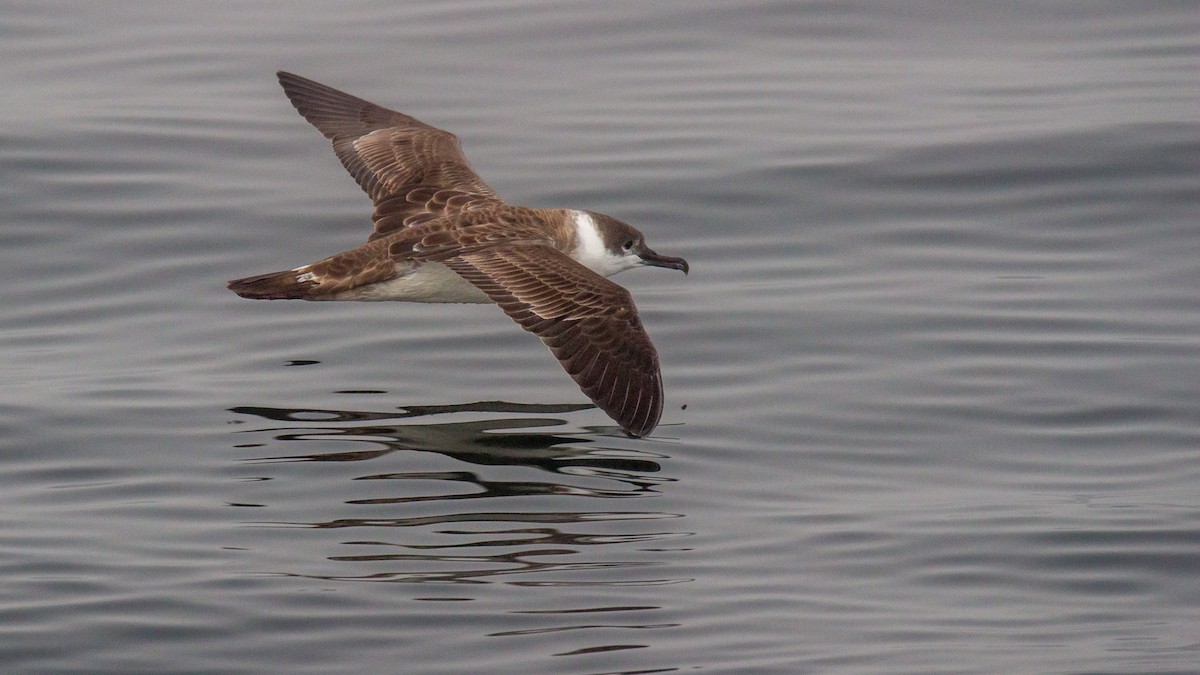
x: 589, y: 323
x: 412, y: 171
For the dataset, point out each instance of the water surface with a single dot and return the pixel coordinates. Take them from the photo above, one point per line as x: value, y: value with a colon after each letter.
x: 931, y: 385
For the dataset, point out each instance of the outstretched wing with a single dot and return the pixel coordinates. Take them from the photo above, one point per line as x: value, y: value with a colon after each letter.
x: 589, y: 323
x: 412, y: 171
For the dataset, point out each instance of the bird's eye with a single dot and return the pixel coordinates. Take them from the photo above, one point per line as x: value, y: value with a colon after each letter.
x: 628, y: 245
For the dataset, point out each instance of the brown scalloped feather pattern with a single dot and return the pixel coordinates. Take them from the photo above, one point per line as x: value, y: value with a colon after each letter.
x: 385, y: 151
x: 589, y: 323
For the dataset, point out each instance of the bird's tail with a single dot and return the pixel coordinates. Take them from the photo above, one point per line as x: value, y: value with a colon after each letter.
x: 286, y: 285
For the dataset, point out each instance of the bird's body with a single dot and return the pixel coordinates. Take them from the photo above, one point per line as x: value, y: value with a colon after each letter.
x: 417, y: 282
x: 442, y: 235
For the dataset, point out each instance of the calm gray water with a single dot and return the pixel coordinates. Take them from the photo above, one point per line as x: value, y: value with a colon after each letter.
x: 933, y: 383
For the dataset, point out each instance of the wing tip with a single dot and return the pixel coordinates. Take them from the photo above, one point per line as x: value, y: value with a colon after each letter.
x: 639, y: 424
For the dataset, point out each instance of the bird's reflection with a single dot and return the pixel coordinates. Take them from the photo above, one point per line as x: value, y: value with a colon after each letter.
x: 502, y: 441
x: 420, y: 485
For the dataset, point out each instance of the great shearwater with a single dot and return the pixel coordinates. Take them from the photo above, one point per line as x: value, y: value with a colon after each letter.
x: 443, y: 235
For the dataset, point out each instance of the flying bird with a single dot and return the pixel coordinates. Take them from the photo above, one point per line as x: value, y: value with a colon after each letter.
x: 443, y: 235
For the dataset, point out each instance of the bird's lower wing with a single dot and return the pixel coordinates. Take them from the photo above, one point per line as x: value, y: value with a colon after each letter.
x: 589, y: 323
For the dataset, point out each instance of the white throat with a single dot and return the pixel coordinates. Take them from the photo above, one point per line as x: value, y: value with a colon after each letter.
x: 593, y: 253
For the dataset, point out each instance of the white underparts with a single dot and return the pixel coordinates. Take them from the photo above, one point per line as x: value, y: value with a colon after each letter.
x: 430, y: 282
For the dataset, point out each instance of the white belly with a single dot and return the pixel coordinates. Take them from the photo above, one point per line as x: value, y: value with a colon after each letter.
x: 431, y: 282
